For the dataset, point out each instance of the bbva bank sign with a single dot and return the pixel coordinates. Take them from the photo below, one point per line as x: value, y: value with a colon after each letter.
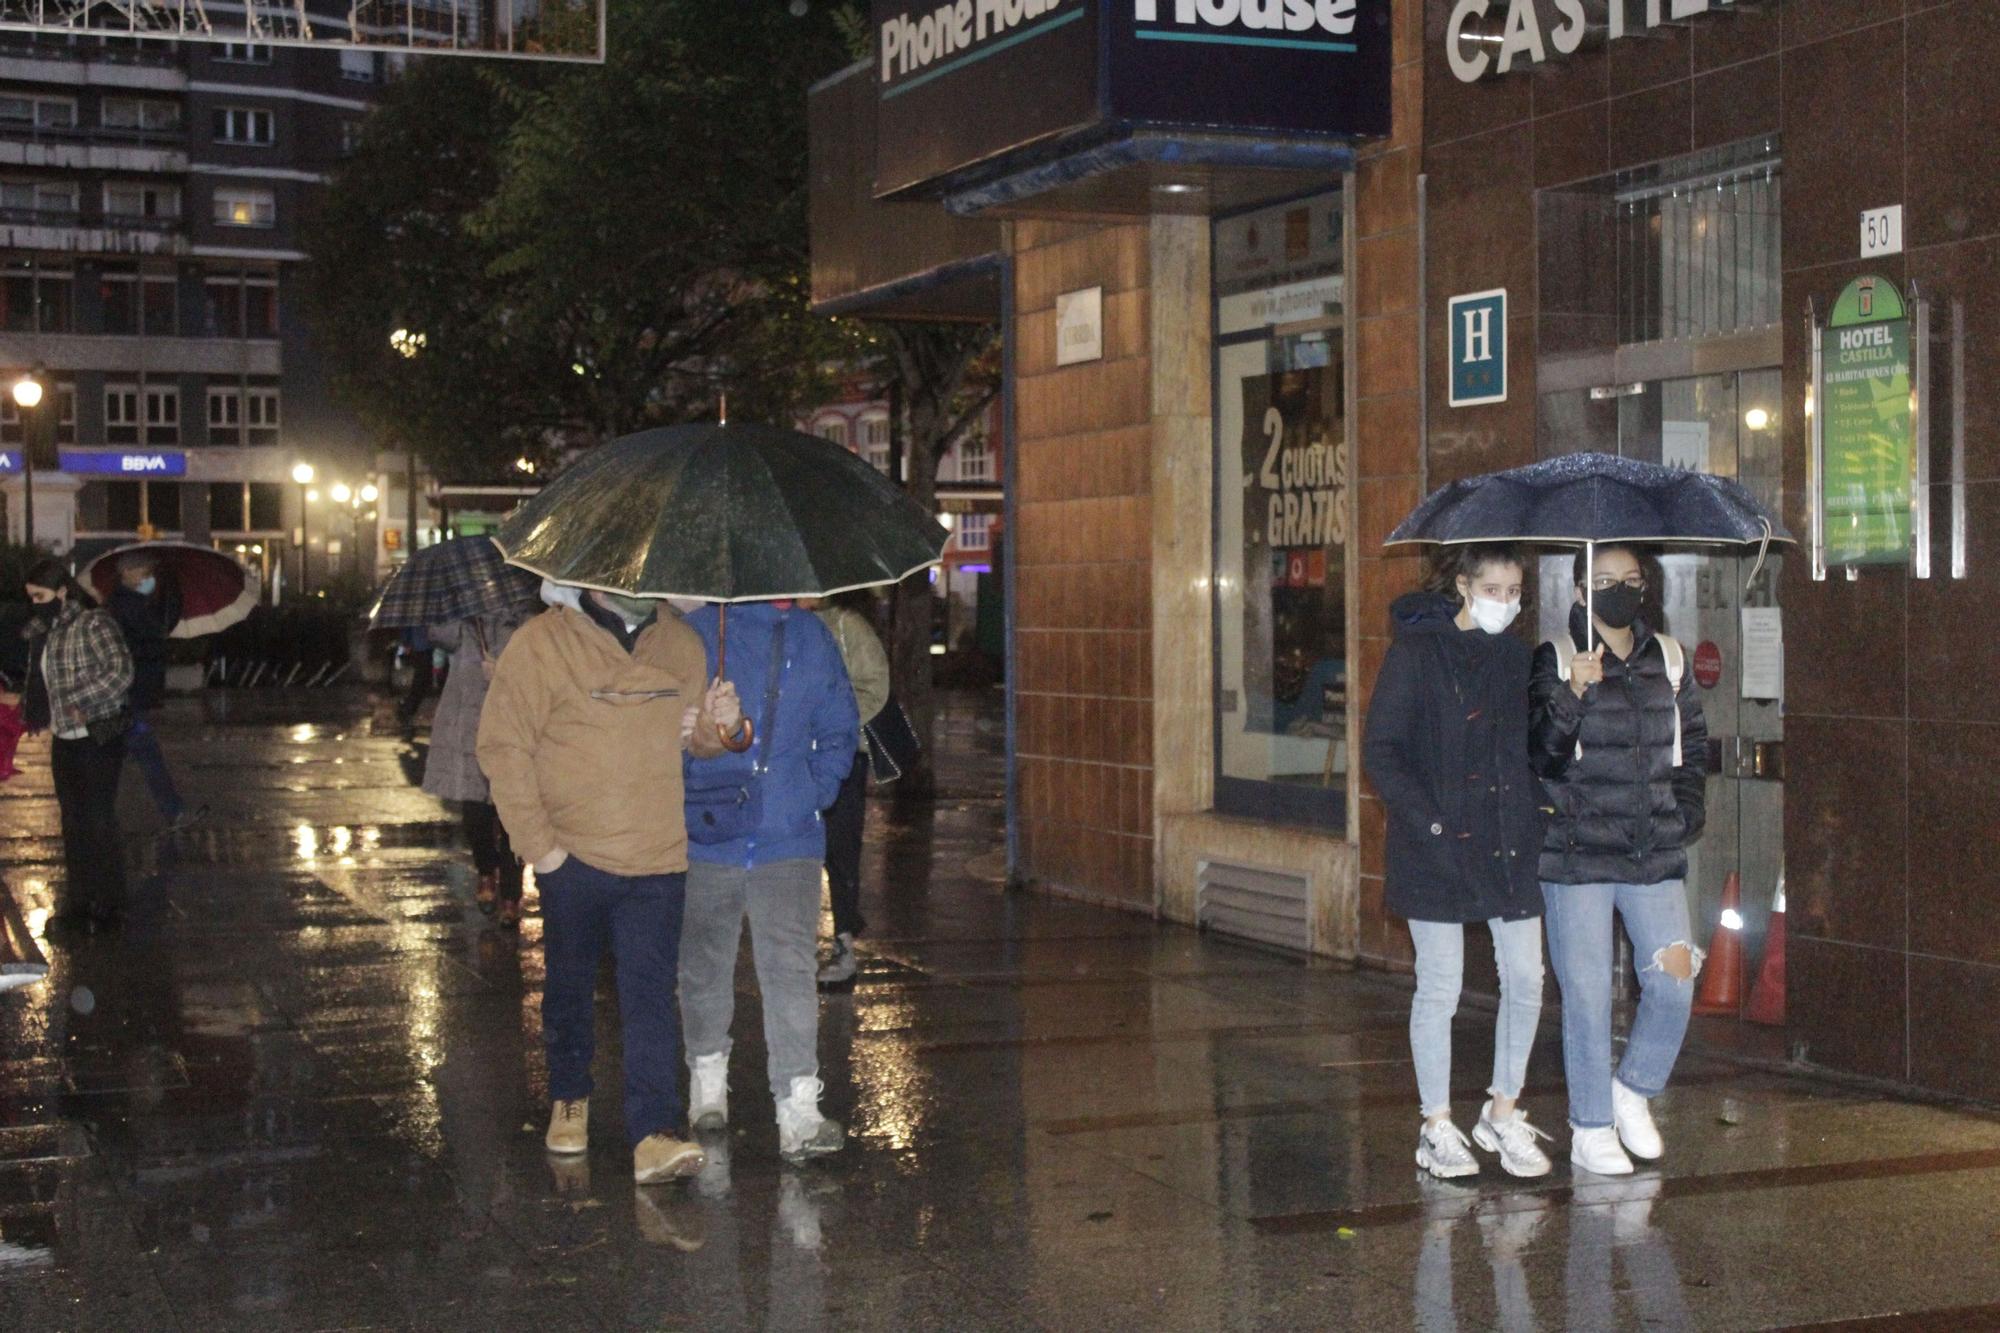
x: 1483, y: 37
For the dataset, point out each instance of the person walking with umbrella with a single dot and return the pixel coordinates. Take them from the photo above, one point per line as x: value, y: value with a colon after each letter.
x: 147, y: 613
x: 1447, y: 749
x: 581, y: 737
x: 759, y: 841
x: 451, y: 764
x: 1619, y: 738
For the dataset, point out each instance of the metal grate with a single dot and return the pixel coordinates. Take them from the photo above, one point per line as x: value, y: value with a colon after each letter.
x: 1268, y: 906
x: 1698, y: 254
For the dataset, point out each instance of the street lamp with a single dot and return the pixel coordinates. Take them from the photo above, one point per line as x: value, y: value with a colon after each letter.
x: 369, y: 493
x: 303, y: 474
x: 28, y: 397
x: 340, y: 493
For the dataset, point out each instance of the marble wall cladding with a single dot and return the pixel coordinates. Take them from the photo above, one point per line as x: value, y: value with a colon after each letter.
x: 1892, y: 692
x: 1084, y: 610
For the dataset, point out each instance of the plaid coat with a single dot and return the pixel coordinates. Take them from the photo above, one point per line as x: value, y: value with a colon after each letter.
x: 86, y: 665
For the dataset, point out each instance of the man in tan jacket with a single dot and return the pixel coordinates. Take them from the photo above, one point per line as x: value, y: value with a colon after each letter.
x: 581, y: 737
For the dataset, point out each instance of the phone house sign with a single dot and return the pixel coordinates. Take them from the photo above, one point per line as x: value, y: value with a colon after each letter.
x: 1490, y: 37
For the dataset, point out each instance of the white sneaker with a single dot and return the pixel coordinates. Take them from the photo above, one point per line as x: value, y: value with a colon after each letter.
x: 1597, y: 1151
x: 842, y: 965
x: 802, y: 1131
x: 1443, y: 1151
x: 1636, y: 1129
x: 708, y: 1091
x: 1514, y: 1139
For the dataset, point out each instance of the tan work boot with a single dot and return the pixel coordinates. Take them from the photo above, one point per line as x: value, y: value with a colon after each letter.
x: 569, y: 1126
x: 664, y: 1157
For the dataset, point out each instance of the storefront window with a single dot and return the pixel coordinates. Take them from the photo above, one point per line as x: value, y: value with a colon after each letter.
x: 1282, y: 471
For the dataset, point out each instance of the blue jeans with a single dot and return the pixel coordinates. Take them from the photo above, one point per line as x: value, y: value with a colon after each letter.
x: 1517, y: 948
x: 143, y: 746
x: 584, y: 909
x: 1656, y: 919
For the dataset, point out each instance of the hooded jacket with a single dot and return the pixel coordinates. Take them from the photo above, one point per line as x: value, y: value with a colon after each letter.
x: 581, y: 741
x: 148, y: 621
x: 1624, y: 814
x: 1446, y: 748
x: 815, y: 737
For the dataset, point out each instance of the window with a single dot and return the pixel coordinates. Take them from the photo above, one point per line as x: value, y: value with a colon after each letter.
x: 136, y: 302
x: 242, y: 304
x: 974, y: 462
x: 1281, y: 466
x: 44, y: 199
x: 833, y: 430
x: 358, y: 66
x: 126, y: 201
x: 243, y: 53
x: 19, y: 111
x: 236, y: 207
x: 974, y: 532
x: 875, y: 442
x: 350, y: 137
x: 123, y: 424
x: 228, y: 503
x: 232, y: 409
x: 133, y: 115
x: 244, y: 124
x: 11, y: 431
x: 267, y: 499
x: 36, y: 297
x: 124, y: 505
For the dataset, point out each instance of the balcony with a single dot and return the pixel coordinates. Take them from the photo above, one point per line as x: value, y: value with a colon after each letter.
x: 67, y: 233
x: 156, y: 66
x: 163, y: 355
x: 98, y: 149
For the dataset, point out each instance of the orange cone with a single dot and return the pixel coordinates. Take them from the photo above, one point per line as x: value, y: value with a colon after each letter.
x: 1767, y: 997
x: 1722, y: 975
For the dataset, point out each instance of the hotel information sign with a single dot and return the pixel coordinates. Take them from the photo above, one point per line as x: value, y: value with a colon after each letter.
x: 1867, y: 426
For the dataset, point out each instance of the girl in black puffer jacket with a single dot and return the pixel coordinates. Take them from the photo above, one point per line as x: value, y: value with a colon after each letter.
x: 1447, y: 750
x: 1617, y: 735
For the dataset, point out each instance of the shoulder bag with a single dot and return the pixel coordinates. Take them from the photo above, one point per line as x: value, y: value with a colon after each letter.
x: 732, y: 809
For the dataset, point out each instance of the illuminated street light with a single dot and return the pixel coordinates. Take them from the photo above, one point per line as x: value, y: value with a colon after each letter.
x: 525, y: 464
x: 312, y: 497
x: 407, y: 343
x: 369, y: 493
x: 28, y: 391
x: 340, y: 493
x: 303, y: 474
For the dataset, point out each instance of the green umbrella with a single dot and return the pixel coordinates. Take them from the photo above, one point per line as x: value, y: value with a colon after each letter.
x: 722, y: 513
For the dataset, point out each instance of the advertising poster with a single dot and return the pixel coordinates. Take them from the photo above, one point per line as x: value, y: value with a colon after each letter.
x: 1295, y: 473
x: 1866, y: 426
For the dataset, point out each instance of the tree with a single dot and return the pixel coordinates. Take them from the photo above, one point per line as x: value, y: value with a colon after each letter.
x: 587, y: 251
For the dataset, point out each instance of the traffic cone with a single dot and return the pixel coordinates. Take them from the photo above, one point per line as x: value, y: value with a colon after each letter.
x: 1767, y: 997
x: 1722, y: 975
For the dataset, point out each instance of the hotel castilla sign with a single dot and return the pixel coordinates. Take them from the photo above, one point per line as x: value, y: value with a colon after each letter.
x: 965, y: 85
x: 1483, y: 38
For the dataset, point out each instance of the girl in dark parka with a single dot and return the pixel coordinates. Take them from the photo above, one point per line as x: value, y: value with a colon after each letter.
x: 1447, y: 750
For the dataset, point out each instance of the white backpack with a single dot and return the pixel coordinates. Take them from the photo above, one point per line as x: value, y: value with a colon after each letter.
x: 1670, y: 648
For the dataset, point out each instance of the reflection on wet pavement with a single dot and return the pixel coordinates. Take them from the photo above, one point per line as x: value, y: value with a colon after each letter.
x: 304, y: 1088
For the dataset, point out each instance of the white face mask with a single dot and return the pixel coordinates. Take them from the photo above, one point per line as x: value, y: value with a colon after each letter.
x: 1492, y: 616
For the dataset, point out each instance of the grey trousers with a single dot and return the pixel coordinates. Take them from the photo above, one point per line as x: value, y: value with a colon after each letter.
x: 781, y: 901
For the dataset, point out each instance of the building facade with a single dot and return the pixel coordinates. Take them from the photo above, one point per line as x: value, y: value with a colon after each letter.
x: 1654, y: 230
x: 152, y: 196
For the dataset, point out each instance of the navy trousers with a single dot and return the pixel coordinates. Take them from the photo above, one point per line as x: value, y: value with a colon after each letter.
x: 585, y: 911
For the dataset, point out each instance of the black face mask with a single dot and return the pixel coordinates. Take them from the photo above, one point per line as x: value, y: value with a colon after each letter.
x: 46, y: 612
x: 1617, y: 607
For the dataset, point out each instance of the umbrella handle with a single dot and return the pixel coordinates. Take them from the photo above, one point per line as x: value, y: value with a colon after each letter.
x: 745, y: 737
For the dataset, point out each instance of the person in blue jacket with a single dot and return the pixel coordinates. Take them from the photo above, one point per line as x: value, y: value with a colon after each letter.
x: 756, y: 846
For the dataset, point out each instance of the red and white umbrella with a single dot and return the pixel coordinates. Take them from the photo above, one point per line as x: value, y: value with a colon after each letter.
x: 215, y: 590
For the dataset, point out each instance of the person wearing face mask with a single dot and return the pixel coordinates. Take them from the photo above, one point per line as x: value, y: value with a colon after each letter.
x: 79, y: 677
x: 1619, y: 740
x: 147, y: 613
x: 1447, y: 750
x: 580, y: 738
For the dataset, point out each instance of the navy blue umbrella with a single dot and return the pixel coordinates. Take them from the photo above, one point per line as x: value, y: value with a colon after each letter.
x: 1584, y: 499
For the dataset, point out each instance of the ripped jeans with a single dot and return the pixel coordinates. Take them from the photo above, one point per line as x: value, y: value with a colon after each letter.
x: 1580, y: 953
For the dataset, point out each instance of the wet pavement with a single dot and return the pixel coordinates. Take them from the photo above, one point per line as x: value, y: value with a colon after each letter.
x: 304, y: 1089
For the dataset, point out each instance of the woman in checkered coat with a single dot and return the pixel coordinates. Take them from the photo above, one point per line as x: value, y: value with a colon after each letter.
x: 78, y: 688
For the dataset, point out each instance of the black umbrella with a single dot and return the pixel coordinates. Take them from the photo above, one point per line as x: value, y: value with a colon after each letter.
x: 722, y: 513
x: 1584, y: 499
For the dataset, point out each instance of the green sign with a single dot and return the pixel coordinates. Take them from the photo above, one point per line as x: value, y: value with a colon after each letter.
x: 1865, y: 426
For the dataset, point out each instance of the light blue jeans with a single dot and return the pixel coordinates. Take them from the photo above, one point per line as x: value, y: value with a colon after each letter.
x: 1517, y: 948
x: 1656, y: 919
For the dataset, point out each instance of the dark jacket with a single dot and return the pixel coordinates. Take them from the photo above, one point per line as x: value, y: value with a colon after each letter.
x: 147, y: 623
x: 1624, y: 814
x: 1447, y: 750
x: 818, y: 731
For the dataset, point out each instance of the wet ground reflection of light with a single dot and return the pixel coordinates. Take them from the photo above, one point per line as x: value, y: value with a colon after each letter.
x: 893, y: 1091
x: 304, y: 732
x: 306, y: 838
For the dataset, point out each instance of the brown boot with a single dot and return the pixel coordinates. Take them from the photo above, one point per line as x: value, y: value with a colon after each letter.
x: 510, y: 914
x: 487, y: 894
x: 664, y: 1157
